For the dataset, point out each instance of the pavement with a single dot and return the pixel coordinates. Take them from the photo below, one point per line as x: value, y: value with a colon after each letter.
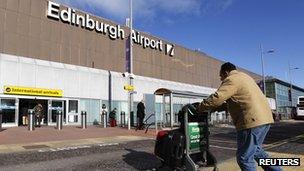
x: 232, y: 164
x: 19, y: 139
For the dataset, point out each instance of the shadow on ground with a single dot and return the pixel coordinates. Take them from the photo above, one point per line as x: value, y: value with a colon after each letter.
x: 285, y: 130
x: 2, y: 130
x: 141, y: 160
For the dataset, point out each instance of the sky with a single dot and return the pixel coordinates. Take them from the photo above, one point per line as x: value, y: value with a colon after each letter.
x: 229, y: 30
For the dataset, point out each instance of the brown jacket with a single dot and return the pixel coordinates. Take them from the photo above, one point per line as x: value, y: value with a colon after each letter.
x: 247, y: 104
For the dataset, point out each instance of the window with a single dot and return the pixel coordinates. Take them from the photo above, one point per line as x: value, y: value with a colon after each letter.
x: 8, y: 110
x: 73, y: 106
x: 92, y: 107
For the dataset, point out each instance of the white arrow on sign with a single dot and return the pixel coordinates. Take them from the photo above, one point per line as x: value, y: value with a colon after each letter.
x: 169, y: 49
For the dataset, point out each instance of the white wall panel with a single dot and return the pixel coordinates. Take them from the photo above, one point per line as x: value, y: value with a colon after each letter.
x: 58, y: 79
x: 96, y: 85
x: 81, y: 82
x: 71, y: 81
x: 104, y: 85
x: 9, y: 70
x: 43, y: 76
x: 27, y: 74
x: 118, y: 82
x: 84, y: 81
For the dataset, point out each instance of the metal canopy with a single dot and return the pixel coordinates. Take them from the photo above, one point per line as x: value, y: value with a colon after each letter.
x: 178, y: 93
x: 167, y: 112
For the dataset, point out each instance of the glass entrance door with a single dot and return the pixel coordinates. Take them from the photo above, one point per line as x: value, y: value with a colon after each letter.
x: 54, y: 106
x: 73, y: 112
x: 9, y: 111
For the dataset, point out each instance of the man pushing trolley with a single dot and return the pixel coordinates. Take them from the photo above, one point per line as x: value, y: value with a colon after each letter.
x: 250, y: 113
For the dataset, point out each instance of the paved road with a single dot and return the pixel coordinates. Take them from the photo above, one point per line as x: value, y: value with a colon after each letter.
x: 138, y: 155
x: 135, y: 155
x: 283, y: 137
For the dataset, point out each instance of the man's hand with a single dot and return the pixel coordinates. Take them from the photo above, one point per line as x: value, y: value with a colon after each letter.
x: 223, y: 107
x: 202, y: 107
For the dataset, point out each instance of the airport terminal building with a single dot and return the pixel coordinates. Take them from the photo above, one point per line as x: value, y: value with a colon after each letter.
x: 280, y: 91
x: 67, y: 59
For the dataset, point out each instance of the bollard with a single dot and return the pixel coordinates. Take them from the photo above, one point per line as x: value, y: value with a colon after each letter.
x: 122, y: 119
x: 0, y: 119
x: 132, y: 119
x: 31, y: 120
x: 59, y: 120
x: 83, y: 119
x: 104, y: 117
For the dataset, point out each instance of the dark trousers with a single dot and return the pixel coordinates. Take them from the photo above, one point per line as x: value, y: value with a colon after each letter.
x: 140, y: 123
x: 38, y: 121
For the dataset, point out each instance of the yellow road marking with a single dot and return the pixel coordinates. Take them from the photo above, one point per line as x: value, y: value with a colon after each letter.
x: 224, y: 141
x: 226, y: 148
x: 282, y: 142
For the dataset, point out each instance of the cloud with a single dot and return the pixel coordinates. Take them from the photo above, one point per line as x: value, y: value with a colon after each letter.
x: 116, y: 8
x: 149, y: 10
x: 216, y: 7
x: 141, y: 8
x: 179, y: 6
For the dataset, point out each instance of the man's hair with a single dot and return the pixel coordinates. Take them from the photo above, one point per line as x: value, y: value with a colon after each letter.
x: 227, y: 67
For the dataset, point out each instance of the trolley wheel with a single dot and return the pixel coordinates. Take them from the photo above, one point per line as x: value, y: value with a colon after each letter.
x: 211, y: 160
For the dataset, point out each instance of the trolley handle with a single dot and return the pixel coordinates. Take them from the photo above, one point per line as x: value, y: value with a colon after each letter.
x: 189, y: 109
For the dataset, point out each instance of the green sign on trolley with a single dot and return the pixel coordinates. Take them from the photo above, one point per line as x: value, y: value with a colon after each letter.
x: 196, y: 133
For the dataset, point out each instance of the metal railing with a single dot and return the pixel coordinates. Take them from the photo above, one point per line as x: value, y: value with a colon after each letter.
x: 146, y: 124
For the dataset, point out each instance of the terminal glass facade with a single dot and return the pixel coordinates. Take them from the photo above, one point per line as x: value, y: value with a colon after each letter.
x: 295, y: 95
x: 282, y: 98
x: 92, y: 107
x: 280, y: 92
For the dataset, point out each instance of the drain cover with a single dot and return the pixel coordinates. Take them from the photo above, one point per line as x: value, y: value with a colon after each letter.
x: 28, y: 147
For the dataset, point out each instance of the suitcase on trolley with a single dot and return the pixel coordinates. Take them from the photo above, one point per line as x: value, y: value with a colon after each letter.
x: 170, y: 147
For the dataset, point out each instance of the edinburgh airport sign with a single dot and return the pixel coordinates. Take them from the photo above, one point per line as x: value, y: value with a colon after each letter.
x: 70, y: 16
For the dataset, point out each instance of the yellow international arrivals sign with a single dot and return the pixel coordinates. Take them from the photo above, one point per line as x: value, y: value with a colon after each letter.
x: 32, y: 91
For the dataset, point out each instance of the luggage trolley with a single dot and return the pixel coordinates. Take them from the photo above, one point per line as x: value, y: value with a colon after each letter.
x: 196, y: 128
x: 186, y: 148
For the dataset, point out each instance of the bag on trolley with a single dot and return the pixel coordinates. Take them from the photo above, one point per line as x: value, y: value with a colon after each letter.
x: 170, y: 147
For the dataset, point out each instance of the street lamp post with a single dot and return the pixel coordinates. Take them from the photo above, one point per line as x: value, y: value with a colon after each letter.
x: 262, y: 60
x: 290, y: 88
x: 131, y: 66
x: 263, y: 74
